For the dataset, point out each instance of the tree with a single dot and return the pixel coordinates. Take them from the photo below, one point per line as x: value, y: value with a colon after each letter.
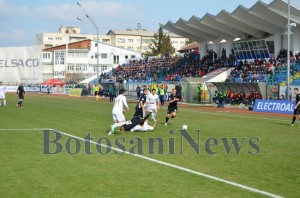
x: 188, y: 41
x: 161, y: 44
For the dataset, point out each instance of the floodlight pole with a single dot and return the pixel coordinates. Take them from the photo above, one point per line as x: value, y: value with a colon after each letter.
x: 97, y: 28
x: 288, y: 51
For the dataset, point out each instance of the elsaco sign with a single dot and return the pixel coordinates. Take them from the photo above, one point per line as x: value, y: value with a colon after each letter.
x: 19, y: 62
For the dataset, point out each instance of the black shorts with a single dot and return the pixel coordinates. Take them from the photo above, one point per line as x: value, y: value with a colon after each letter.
x: 21, y: 96
x: 297, y: 111
x: 171, y: 110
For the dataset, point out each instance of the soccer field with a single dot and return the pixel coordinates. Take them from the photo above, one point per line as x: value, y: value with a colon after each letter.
x: 237, y: 155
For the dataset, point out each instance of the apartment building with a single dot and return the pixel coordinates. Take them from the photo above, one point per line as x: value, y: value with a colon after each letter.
x: 137, y: 40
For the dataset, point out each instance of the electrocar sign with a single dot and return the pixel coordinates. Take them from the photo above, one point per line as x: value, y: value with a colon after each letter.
x: 21, y: 64
x: 274, y: 106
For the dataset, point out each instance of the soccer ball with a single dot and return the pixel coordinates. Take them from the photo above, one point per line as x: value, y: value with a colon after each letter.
x: 184, y: 127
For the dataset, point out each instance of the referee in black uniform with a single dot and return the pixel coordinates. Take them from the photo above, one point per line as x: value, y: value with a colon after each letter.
x: 172, y: 108
x: 20, y: 94
x: 297, y: 106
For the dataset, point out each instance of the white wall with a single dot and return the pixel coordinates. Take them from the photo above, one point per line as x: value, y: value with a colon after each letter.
x: 112, y: 51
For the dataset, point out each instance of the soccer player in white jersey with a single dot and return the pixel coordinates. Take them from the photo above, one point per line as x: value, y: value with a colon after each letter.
x: 117, y: 112
x: 2, y: 94
x: 152, y: 104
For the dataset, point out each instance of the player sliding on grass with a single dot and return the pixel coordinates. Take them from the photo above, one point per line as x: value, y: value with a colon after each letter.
x: 152, y: 103
x: 137, y: 123
x: 118, y: 110
x: 297, y: 106
x: 172, y: 108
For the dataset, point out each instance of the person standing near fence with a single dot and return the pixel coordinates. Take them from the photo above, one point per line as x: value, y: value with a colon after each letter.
x: 97, y: 92
x: 117, y: 87
x: 161, y: 93
x: 138, y: 91
x: 111, y: 92
x: 199, y: 91
x: 2, y: 94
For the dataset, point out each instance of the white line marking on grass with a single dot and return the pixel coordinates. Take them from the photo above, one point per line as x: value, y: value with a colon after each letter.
x: 232, y: 114
x: 156, y: 161
x: 174, y: 166
x: 34, y: 129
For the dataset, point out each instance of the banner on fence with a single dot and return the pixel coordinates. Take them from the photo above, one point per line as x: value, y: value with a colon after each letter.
x: 274, y: 106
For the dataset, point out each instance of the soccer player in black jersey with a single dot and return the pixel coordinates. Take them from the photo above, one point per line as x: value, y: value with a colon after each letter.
x: 134, y: 122
x: 20, y: 94
x: 172, y: 108
x: 297, y: 106
x: 140, y: 108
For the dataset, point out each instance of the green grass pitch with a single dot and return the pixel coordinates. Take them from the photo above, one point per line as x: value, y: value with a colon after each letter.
x: 27, y: 172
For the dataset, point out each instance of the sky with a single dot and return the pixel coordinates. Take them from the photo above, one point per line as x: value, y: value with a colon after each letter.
x: 21, y: 20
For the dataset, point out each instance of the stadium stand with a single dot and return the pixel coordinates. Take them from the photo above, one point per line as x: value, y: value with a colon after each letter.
x: 170, y: 69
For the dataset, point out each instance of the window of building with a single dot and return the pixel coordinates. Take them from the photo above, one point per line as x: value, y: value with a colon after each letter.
x: 74, y: 31
x: 182, y: 42
x: 130, y: 40
x: 174, y: 42
x: 50, y: 38
x: 103, y: 67
x: 251, y: 49
x: 106, y: 40
x: 145, y: 48
x: 95, y: 69
x: 103, y: 56
x: 130, y: 48
x: 46, y: 55
x: 116, y: 59
x: 59, y: 58
x: 146, y: 40
x: 271, y: 47
x: 132, y: 56
x: 120, y: 40
x: 126, y: 56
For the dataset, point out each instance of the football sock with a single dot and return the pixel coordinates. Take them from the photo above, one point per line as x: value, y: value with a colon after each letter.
x: 294, y: 119
x: 167, y: 119
x: 146, y: 117
x: 153, y: 116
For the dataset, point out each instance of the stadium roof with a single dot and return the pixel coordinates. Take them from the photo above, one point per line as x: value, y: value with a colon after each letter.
x: 259, y: 21
x: 138, y: 32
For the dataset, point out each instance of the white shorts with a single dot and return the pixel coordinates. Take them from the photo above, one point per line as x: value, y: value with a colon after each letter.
x: 119, y: 118
x: 151, y: 108
x: 2, y: 96
x: 143, y: 128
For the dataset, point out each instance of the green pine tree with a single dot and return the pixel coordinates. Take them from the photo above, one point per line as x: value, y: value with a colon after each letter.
x: 161, y: 44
